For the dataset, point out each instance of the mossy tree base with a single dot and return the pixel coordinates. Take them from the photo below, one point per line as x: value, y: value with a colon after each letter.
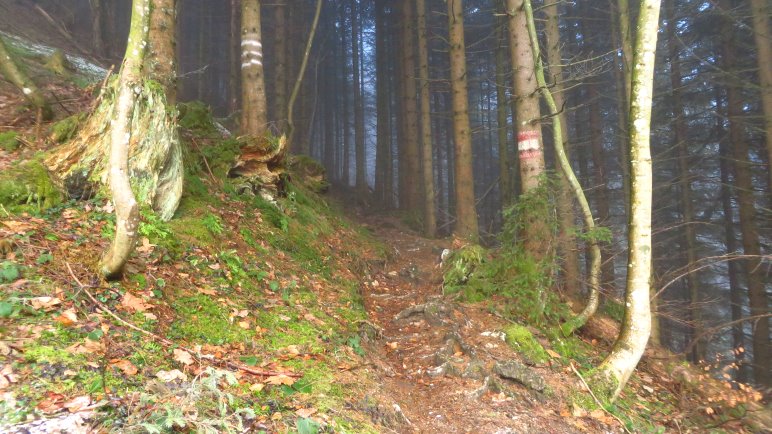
x: 80, y: 166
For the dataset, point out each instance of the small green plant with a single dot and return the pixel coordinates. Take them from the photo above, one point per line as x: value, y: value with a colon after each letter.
x: 152, y: 227
x: 200, y: 405
x: 9, y: 141
x: 9, y: 272
x: 213, y: 224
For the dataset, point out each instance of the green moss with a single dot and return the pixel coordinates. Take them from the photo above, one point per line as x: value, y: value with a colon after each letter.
x: 201, y: 319
x: 28, y: 184
x: 521, y: 340
x: 461, y: 265
x: 9, y: 141
x: 197, y: 117
x: 614, y: 309
x: 66, y: 129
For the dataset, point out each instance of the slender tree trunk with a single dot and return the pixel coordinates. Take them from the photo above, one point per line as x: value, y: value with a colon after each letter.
x: 620, y: 23
x: 595, y: 124
x: 760, y: 13
x: 280, y: 68
x: 359, y: 116
x: 254, y: 109
x: 383, y: 114
x: 466, y: 214
x: 126, y: 207
x: 234, y: 73
x: 505, y: 186
x: 97, y: 26
x: 636, y: 323
x: 567, y: 237
x: 736, y: 292
x: 409, y: 172
x: 748, y: 227
x: 529, y: 140
x: 427, y: 154
x: 699, y: 351
x: 160, y: 63
x: 12, y: 73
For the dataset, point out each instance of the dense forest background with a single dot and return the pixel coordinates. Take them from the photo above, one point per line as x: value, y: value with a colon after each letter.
x: 358, y: 112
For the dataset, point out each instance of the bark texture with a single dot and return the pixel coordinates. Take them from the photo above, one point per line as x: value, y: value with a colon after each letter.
x: 80, y: 167
x: 636, y: 323
x: 254, y: 109
x: 126, y: 207
x: 427, y: 155
x: 466, y: 214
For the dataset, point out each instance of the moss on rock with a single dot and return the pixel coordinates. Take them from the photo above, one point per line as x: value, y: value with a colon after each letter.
x: 521, y: 340
x: 65, y: 129
x: 27, y: 183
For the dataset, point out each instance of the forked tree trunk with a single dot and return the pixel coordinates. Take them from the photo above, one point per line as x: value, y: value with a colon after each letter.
x: 466, y: 214
x: 80, y: 167
x: 613, y: 373
x: 12, y: 73
x: 427, y: 155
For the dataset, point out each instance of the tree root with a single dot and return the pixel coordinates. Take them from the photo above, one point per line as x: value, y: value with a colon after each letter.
x: 436, y: 312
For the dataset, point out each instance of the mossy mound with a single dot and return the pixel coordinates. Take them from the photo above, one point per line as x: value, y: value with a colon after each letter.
x: 9, y: 141
x: 521, y: 340
x: 28, y: 184
x: 308, y: 172
x: 196, y: 117
x: 65, y: 129
x: 461, y: 265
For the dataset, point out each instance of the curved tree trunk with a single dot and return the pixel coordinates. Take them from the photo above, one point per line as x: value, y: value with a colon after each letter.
x: 12, y: 73
x: 613, y: 373
x: 81, y: 166
x: 126, y: 208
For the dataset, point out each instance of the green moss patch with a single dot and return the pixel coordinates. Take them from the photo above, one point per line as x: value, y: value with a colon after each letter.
x: 9, y: 141
x: 521, y: 340
x: 27, y: 184
x: 201, y: 319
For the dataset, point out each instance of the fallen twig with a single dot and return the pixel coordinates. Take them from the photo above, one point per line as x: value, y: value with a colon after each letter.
x: 167, y: 342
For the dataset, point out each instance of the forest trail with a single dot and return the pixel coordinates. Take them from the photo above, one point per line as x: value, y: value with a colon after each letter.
x: 437, y: 357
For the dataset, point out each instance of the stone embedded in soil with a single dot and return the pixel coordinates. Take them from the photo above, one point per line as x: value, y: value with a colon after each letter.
x: 514, y: 370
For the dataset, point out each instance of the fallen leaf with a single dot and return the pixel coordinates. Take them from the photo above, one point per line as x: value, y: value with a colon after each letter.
x: 257, y: 387
x: 52, y: 402
x: 306, y: 412
x: 280, y: 379
x: 18, y: 227
x: 125, y: 366
x: 45, y: 303
x: 207, y: 291
x: 183, y: 357
x: 244, y: 324
x: 310, y: 317
x: 553, y: 354
x: 67, y: 318
x: 78, y: 403
x: 169, y: 376
x: 276, y: 416
x: 134, y: 303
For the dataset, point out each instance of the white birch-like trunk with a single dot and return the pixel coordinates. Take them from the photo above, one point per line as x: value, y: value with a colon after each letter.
x: 636, y: 324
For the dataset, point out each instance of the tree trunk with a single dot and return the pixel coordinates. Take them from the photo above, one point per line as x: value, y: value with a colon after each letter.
x: 763, y: 36
x: 427, y: 154
x: 12, y: 73
x: 359, y: 116
x: 567, y: 237
x: 254, y: 109
x: 155, y: 158
x: 280, y: 62
x: 613, y: 373
x: 505, y: 186
x: 466, y: 214
x: 383, y: 106
x: 126, y: 207
x: 409, y: 172
x: 234, y: 71
x: 743, y: 184
x: 97, y: 26
x: 680, y: 140
x: 529, y: 140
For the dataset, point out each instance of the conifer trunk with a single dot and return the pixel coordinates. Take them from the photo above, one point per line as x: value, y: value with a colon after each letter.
x: 427, y: 154
x: 761, y: 11
x: 409, y: 170
x: 466, y: 214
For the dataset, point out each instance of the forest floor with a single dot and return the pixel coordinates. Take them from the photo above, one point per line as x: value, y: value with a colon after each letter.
x: 242, y: 315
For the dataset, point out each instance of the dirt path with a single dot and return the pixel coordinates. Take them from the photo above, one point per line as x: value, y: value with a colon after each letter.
x: 437, y: 358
